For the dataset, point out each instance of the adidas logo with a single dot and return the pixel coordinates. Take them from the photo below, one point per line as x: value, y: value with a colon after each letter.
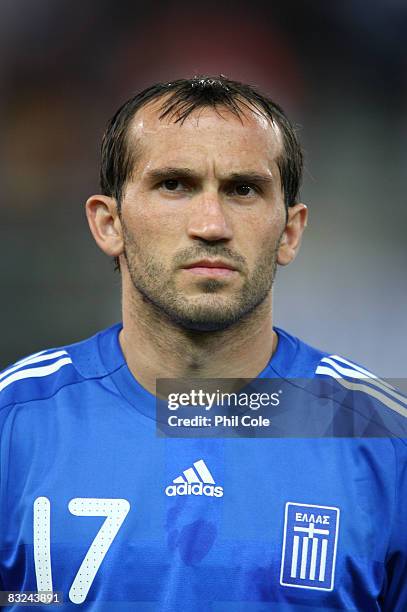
x: 198, y: 481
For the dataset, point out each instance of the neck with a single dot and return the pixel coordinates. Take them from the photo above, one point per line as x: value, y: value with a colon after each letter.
x: 155, y: 347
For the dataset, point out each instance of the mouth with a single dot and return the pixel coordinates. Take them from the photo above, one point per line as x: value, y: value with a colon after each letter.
x: 214, y: 268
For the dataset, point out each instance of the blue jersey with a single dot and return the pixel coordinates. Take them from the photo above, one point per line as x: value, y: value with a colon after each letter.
x: 95, y: 506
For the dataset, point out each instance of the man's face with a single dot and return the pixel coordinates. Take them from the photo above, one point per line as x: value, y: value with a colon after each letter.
x: 203, y: 193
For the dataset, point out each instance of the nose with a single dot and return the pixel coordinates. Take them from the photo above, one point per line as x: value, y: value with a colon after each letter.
x: 208, y: 221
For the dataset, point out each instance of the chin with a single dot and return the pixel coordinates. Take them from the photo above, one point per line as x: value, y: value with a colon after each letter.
x: 205, y: 326
x: 202, y: 321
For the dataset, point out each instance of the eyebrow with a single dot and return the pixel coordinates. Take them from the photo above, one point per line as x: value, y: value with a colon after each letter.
x: 161, y: 174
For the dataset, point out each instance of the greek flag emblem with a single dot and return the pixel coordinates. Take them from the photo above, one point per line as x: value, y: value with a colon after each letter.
x: 309, y: 546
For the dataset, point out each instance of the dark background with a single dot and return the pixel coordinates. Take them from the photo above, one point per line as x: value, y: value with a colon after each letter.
x: 339, y: 70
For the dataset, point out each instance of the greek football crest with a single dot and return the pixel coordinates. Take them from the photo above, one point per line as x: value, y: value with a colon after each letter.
x: 309, y: 546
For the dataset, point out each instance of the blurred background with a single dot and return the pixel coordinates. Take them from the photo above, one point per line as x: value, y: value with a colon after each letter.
x: 339, y: 70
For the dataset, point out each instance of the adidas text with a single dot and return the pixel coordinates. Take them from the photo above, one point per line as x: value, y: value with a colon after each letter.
x: 194, y: 489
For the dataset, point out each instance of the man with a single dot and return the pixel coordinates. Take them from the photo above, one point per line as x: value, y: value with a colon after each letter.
x: 199, y: 204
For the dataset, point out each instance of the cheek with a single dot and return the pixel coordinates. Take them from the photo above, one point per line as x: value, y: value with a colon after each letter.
x: 258, y: 236
x: 273, y: 228
x: 152, y: 225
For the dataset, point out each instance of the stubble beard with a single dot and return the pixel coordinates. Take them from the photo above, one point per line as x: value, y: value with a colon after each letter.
x: 212, y: 310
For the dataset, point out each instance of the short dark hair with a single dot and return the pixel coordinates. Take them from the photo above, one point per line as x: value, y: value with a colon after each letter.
x: 187, y: 95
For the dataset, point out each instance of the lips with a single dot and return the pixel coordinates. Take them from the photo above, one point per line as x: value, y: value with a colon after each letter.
x: 212, y: 268
x: 207, y: 263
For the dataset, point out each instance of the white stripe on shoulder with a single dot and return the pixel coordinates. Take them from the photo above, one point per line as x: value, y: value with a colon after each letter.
x: 30, y: 357
x: 353, y: 386
x: 37, y: 358
x: 35, y: 372
x: 372, y: 380
x: 359, y: 369
x: 399, y: 406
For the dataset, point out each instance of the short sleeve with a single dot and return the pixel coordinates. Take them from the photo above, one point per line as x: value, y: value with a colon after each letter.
x: 395, y: 594
x: 4, y: 460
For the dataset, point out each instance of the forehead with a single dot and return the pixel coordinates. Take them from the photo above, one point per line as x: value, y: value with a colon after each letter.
x: 218, y: 134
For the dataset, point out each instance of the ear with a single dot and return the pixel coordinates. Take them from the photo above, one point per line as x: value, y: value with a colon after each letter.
x: 291, y: 237
x: 105, y: 225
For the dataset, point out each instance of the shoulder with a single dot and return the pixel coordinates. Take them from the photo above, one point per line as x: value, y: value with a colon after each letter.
x: 42, y: 375
x: 351, y: 376
x: 383, y: 406
x: 373, y: 403
x: 294, y: 358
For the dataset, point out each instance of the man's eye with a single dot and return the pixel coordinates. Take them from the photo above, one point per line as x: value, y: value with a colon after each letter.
x: 171, y: 184
x: 245, y: 189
